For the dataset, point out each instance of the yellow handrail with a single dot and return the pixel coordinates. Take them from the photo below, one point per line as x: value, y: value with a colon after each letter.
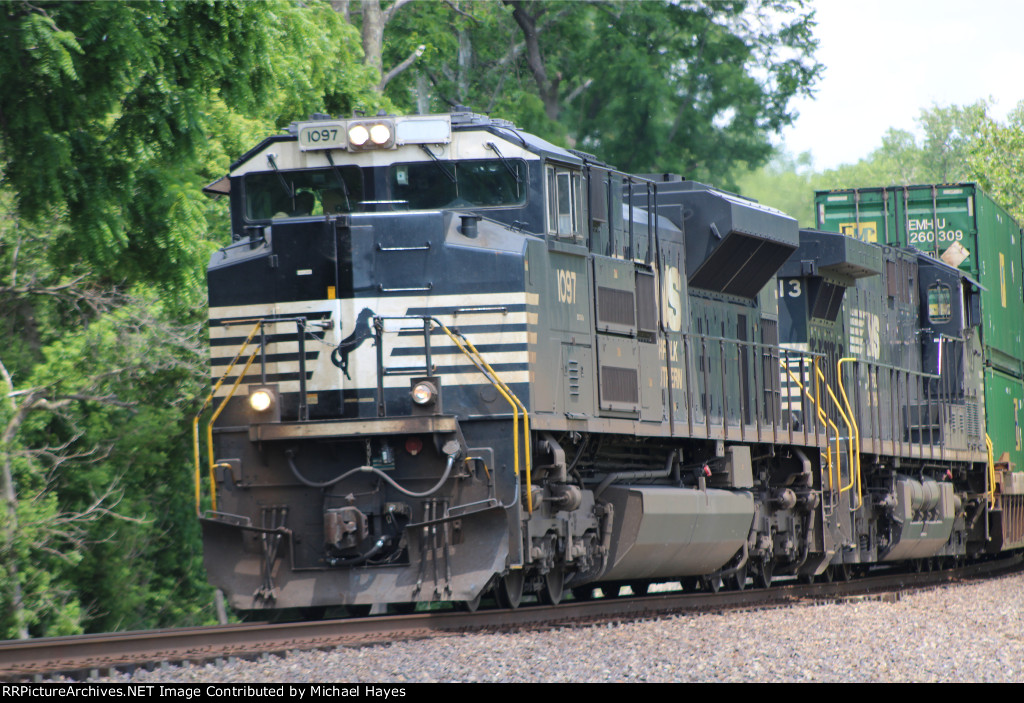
x: 202, y: 409
x: 468, y: 349
x: 489, y: 373
x: 824, y: 418
x: 526, y: 421
x: 849, y: 439
x: 213, y: 419
x: 991, y: 472
x: 855, y: 457
x: 828, y: 449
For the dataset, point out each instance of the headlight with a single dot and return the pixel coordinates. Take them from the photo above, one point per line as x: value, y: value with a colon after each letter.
x: 261, y: 400
x: 371, y: 134
x: 380, y: 134
x: 423, y: 393
x: 358, y: 135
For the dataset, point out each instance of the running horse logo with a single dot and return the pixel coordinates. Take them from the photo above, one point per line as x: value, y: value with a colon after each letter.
x: 362, y: 332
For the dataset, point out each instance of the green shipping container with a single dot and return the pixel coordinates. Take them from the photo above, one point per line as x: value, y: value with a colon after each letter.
x: 959, y: 224
x: 1004, y: 410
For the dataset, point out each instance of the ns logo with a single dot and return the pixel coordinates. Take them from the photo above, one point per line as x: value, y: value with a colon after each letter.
x: 362, y: 331
x: 672, y: 298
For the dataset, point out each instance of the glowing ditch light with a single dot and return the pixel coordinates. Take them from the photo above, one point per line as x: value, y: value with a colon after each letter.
x: 261, y: 400
x: 423, y: 393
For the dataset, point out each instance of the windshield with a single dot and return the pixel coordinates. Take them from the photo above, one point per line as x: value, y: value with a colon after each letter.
x: 303, y: 193
x: 447, y: 184
x: 423, y: 185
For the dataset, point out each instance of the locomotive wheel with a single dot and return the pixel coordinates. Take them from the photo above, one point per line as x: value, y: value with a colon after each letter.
x: 510, y: 589
x: 827, y: 576
x: 738, y: 580
x: 552, y: 585
x: 473, y: 604
x: 711, y: 584
x: 689, y: 584
x: 763, y: 571
x: 843, y: 572
x: 639, y: 589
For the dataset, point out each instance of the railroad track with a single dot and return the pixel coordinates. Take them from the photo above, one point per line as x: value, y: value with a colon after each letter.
x: 93, y: 655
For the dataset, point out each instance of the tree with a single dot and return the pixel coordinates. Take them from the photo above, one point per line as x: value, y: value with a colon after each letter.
x: 374, y: 19
x: 652, y: 86
x: 956, y: 144
x: 112, y: 117
x: 941, y: 155
x: 104, y: 111
x: 471, y: 57
x: 83, y: 518
x: 786, y: 183
x: 995, y: 159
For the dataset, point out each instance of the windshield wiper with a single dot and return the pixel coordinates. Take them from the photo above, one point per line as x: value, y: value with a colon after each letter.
x: 284, y: 184
x: 440, y: 165
x: 514, y: 171
x: 341, y: 180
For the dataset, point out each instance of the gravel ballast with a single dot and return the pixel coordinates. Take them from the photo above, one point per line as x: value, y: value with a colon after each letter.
x: 964, y: 632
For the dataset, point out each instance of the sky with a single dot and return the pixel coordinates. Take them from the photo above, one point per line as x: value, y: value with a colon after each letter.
x: 886, y: 60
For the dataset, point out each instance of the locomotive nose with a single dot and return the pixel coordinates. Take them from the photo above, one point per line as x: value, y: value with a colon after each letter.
x: 385, y: 255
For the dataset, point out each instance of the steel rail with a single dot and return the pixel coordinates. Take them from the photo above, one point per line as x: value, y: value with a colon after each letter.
x: 79, y: 655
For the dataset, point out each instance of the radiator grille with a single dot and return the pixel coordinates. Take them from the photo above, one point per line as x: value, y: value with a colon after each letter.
x: 619, y: 385
x: 615, y: 306
x: 646, y: 303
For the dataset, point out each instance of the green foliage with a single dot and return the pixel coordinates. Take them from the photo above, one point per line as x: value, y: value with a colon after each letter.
x: 996, y: 161
x: 50, y: 604
x: 106, y: 107
x: 647, y: 86
x: 941, y: 156
x: 785, y: 183
x: 104, y: 517
x: 680, y: 89
x: 958, y: 144
x: 154, y: 367
x: 112, y: 118
x: 314, y: 58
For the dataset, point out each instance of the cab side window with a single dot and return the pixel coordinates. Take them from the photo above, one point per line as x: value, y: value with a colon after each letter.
x: 939, y: 303
x: 564, y: 201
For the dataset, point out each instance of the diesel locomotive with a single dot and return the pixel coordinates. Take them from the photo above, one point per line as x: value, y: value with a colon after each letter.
x: 454, y: 361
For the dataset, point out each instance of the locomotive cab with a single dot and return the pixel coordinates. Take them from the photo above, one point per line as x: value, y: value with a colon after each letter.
x: 950, y: 314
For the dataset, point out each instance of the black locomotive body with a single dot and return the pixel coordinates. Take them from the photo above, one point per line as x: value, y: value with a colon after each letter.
x: 453, y: 359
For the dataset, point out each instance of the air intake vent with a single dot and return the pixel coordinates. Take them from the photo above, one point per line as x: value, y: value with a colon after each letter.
x: 973, y: 424
x: 733, y: 245
x: 615, y: 306
x: 646, y: 303
x: 827, y: 297
x: 741, y: 265
x: 619, y: 385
